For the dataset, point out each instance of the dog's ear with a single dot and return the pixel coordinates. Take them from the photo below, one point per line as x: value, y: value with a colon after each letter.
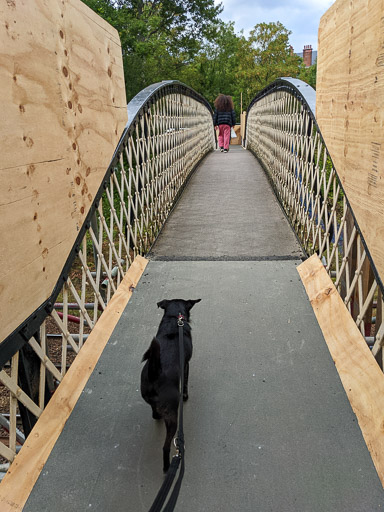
x: 191, y: 303
x: 163, y: 304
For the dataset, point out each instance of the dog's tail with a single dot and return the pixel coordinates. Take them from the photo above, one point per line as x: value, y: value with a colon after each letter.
x: 153, y: 357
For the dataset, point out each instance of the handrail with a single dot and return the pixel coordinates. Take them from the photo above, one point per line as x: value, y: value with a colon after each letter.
x: 282, y: 132
x: 294, y: 86
x: 169, y: 131
x: 136, y: 105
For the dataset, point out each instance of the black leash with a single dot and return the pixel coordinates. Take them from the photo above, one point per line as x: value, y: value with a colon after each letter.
x: 179, y: 443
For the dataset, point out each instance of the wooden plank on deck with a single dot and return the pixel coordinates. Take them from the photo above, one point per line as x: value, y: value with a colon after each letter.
x: 25, y: 470
x: 360, y: 374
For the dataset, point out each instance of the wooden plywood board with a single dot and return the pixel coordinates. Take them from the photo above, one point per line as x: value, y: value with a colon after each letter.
x: 25, y: 470
x: 243, y: 119
x: 63, y: 110
x: 236, y: 140
x: 350, y: 109
x: 359, y: 372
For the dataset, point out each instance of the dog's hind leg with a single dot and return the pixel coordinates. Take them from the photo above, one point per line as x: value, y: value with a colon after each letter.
x: 155, y: 414
x: 171, y: 425
x: 185, y: 387
x: 152, y: 355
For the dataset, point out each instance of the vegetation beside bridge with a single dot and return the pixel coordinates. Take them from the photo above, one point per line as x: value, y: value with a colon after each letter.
x: 187, y: 41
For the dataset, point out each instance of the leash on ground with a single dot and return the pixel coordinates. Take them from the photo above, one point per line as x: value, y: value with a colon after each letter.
x: 179, y: 443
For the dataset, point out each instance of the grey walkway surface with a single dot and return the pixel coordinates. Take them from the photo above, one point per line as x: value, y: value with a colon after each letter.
x: 268, y: 426
x: 228, y: 211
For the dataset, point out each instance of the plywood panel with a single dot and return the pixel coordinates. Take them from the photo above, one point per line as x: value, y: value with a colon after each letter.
x: 350, y: 109
x: 360, y: 375
x: 63, y: 110
x: 236, y: 140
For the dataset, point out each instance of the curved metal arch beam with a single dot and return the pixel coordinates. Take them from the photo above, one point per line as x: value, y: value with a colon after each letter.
x: 293, y: 85
x: 307, y: 96
x: 303, y: 91
x: 20, y: 336
x: 138, y: 104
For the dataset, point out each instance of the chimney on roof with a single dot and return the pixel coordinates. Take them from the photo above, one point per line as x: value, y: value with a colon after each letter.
x: 307, y: 55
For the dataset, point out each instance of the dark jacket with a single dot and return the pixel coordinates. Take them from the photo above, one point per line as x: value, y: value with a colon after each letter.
x: 228, y: 118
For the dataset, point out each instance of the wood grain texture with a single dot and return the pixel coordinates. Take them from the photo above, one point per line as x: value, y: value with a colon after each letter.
x: 350, y: 109
x: 63, y: 110
x: 25, y: 470
x: 360, y: 375
x: 243, y: 118
x: 237, y: 140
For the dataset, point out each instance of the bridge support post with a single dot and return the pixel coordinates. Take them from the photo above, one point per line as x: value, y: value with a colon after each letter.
x: 29, y: 381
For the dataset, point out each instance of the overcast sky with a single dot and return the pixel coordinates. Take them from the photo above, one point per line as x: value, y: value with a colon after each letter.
x: 301, y: 17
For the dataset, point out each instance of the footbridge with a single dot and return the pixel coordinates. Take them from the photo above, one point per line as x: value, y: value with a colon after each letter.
x: 282, y: 247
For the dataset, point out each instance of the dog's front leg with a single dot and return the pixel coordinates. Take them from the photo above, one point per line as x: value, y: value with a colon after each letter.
x: 185, y: 387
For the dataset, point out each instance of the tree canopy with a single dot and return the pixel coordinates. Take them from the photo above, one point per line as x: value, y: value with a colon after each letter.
x: 265, y: 56
x: 186, y: 40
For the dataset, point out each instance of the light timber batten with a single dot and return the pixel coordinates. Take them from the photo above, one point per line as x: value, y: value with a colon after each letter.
x: 350, y: 110
x: 63, y: 109
x: 284, y: 135
x: 360, y: 374
x: 22, y: 475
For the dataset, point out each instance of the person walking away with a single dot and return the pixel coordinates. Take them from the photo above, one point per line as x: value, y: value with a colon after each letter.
x: 223, y: 119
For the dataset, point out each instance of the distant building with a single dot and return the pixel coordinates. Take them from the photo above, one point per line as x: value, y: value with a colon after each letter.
x: 308, y: 55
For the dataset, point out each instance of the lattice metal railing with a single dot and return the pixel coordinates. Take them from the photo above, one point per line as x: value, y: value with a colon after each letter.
x: 281, y: 131
x: 170, y: 130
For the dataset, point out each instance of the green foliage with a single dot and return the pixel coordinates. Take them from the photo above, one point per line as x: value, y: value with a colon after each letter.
x: 308, y: 75
x: 265, y: 56
x: 159, y: 38
x: 213, y: 70
x: 186, y: 40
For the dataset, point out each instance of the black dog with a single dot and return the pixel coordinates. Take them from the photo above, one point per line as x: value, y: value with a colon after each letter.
x: 160, y: 376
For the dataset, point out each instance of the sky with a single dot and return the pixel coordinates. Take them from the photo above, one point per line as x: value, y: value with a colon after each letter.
x: 301, y: 17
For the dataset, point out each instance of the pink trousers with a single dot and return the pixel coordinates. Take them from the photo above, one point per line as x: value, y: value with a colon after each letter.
x: 224, y: 136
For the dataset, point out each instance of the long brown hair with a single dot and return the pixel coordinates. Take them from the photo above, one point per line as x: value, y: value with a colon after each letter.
x: 224, y: 103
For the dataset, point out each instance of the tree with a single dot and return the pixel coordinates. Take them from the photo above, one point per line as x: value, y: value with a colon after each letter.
x: 308, y: 75
x: 265, y: 56
x: 213, y: 70
x: 159, y: 37
x: 186, y: 40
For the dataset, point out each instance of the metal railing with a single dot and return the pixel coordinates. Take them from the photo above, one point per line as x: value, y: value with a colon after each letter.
x: 170, y: 130
x: 282, y: 132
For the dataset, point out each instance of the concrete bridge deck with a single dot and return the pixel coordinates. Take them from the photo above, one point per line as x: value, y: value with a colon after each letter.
x: 268, y: 426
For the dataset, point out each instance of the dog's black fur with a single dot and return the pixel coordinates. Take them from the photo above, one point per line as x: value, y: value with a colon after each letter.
x: 160, y: 376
